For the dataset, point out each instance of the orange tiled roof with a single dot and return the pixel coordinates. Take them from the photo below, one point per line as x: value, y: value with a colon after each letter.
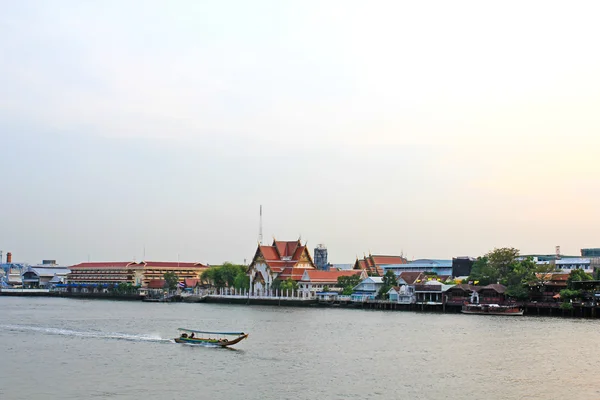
x: 330, y: 276
x: 294, y: 273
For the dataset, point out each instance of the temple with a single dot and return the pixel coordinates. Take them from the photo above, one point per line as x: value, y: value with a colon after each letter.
x: 281, y: 260
x: 374, y: 264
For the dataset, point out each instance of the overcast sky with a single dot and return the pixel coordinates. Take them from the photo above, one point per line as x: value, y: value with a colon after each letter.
x: 437, y: 129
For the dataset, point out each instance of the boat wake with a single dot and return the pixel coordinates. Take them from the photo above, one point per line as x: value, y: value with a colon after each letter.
x: 86, y: 334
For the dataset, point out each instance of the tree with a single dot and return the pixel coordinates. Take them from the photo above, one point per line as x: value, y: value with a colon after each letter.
x: 289, y: 284
x: 326, y: 288
x: 389, y: 280
x: 482, y: 272
x: 223, y: 275
x: 502, y: 260
x: 171, y: 280
x: 577, y: 275
x: 348, y: 283
x: 241, y: 281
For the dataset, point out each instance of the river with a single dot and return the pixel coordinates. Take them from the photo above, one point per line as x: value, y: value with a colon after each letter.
x: 56, y: 348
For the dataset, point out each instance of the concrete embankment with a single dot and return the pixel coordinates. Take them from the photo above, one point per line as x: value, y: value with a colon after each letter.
x: 264, y: 301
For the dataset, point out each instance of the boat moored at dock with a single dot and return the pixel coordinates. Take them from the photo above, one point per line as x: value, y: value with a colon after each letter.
x: 491, y: 309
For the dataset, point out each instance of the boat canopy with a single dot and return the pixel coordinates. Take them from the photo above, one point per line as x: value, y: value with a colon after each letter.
x: 211, y: 333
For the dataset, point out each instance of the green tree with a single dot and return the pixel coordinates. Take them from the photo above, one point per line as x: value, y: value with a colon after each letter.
x: 578, y: 275
x: 326, y: 288
x: 241, y: 281
x: 347, y: 283
x: 482, y: 272
x: 389, y: 280
x: 503, y: 260
x: 171, y: 280
x: 289, y: 284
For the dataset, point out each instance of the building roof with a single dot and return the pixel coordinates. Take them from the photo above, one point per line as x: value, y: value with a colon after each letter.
x: 104, y: 264
x: 573, y: 261
x: 294, y: 273
x: 432, y: 263
x: 191, y: 282
x: 282, y: 254
x: 172, y: 264
x: 327, y: 276
x: 495, y: 287
x: 49, y: 272
x: 410, y: 277
x: 373, y: 263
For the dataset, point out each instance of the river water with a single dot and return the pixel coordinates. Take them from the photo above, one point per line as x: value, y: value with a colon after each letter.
x: 55, y: 348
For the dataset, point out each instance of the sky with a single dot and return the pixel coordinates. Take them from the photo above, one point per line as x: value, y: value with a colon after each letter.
x: 155, y: 129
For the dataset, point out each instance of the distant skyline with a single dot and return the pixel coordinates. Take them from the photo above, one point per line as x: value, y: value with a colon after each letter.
x: 436, y: 129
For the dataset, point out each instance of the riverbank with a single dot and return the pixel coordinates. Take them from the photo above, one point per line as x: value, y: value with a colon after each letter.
x: 531, y: 309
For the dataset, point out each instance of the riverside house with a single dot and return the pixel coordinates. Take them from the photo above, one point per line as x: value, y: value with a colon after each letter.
x: 367, y: 289
x: 314, y: 281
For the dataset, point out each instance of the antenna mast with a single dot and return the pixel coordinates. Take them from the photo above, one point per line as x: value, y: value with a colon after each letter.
x: 260, y: 235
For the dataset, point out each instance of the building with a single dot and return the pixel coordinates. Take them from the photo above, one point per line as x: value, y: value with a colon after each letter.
x: 594, y: 252
x: 281, y: 260
x: 403, y: 294
x: 313, y: 281
x: 374, y: 263
x: 461, y: 266
x: 431, y: 292
x: 135, y: 273
x: 569, y: 264
x: 368, y: 289
x: 320, y: 254
x: 440, y: 267
x: 45, y: 275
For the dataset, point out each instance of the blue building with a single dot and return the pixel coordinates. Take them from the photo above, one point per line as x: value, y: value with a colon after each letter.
x: 321, y: 258
x: 440, y: 267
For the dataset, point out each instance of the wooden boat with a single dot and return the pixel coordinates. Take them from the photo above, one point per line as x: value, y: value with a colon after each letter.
x: 492, y: 309
x: 210, y: 338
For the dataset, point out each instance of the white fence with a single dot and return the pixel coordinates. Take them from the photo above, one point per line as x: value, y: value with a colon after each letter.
x: 261, y: 294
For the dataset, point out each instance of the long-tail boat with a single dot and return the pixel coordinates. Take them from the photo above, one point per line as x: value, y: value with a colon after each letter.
x: 210, y: 338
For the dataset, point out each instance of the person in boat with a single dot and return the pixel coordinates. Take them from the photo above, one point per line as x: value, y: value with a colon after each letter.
x: 192, y: 335
x: 184, y: 335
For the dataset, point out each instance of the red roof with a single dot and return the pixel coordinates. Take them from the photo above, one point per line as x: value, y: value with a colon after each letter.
x: 329, y: 276
x: 387, y: 260
x: 141, y: 264
x: 173, y: 264
x: 294, y: 273
x: 282, y: 254
x: 191, y: 282
x: 373, y: 263
x: 104, y: 264
x: 156, y: 284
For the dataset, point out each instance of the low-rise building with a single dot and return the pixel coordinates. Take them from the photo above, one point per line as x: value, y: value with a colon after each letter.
x: 431, y: 292
x: 134, y: 273
x: 44, y: 276
x: 570, y: 264
x: 313, y: 281
x: 440, y: 267
x: 368, y: 289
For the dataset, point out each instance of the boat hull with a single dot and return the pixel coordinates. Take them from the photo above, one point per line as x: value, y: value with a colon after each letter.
x: 492, y: 312
x: 211, y: 342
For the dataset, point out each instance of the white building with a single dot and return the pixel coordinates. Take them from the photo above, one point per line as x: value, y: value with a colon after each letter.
x: 367, y: 289
x: 314, y: 281
x: 281, y: 260
x: 569, y: 264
